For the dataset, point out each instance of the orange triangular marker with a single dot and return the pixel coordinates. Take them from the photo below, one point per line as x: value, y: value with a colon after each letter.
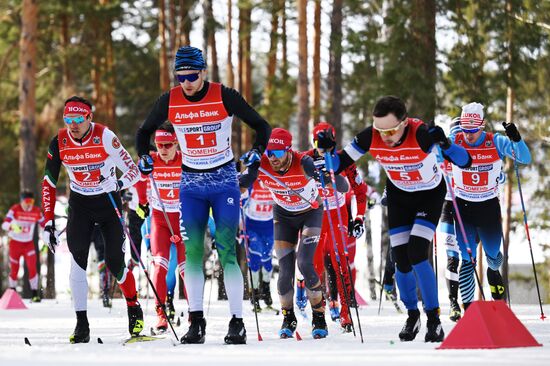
x: 11, y: 300
x: 489, y: 324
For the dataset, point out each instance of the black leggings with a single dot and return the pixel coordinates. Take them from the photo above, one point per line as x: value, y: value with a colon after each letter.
x: 84, y: 213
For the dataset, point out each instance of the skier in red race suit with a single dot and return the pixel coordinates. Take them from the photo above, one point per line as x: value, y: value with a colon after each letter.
x: 167, y: 175
x: 20, y: 223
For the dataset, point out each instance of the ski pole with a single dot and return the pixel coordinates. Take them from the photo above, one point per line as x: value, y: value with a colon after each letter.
x: 381, y: 278
x: 542, y: 316
x: 247, y: 251
x: 458, y: 216
x: 313, y: 204
x: 328, y: 161
x: 174, y: 239
x: 347, y: 296
x: 127, y: 232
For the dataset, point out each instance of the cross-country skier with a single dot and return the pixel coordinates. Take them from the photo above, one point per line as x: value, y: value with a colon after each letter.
x: 90, y: 151
x: 167, y: 174
x: 297, y: 224
x: 476, y: 191
x: 20, y: 223
x: 202, y: 114
x: 415, y: 192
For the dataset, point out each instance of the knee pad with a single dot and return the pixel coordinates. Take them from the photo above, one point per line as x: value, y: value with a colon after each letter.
x: 495, y: 263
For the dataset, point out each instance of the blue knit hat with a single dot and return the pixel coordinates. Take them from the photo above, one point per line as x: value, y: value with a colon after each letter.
x: 189, y: 58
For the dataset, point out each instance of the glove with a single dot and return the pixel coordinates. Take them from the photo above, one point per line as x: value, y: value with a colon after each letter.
x: 142, y: 210
x: 145, y: 164
x: 326, y: 140
x: 357, y: 227
x: 110, y: 185
x: 252, y: 158
x: 17, y: 229
x: 511, y: 131
x: 439, y: 137
x: 50, y: 236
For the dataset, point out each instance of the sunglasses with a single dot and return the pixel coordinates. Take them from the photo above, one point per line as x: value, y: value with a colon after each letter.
x: 77, y: 120
x: 389, y: 131
x: 275, y: 153
x: 166, y: 146
x: 470, y: 130
x: 189, y: 77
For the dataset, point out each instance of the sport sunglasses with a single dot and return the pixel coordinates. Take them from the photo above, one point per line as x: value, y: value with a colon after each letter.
x: 389, y: 131
x: 77, y: 120
x: 470, y: 130
x: 276, y: 153
x: 189, y: 77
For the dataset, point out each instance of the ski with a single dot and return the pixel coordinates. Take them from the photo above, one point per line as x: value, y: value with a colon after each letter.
x: 272, y: 309
x: 140, y: 338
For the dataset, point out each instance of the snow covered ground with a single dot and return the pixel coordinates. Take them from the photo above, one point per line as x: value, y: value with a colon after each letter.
x: 49, y: 324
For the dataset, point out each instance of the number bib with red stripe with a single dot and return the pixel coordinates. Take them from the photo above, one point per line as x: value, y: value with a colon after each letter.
x: 86, y: 162
x: 479, y: 182
x: 167, y: 177
x: 407, y: 166
x: 203, y: 128
x: 294, y: 178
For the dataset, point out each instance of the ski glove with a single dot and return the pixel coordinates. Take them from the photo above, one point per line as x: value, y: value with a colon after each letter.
x: 252, y: 159
x: 326, y: 140
x: 142, y: 211
x: 110, y: 185
x: 50, y: 236
x: 511, y: 131
x: 145, y: 164
x: 438, y: 137
x: 356, y: 227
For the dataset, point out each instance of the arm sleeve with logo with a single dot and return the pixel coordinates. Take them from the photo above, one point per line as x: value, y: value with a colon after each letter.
x: 123, y: 160
x: 51, y: 174
x: 235, y: 104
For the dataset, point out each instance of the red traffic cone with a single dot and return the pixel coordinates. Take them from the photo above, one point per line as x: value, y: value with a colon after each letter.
x: 11, y: 300
x: 489, y: 324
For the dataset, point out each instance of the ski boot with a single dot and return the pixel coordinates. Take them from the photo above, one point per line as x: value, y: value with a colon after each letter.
x: 301, y: 296
x: 135, y: 319
x: 107, y: 303
x: 170, y: 310
x: 162, y: 322
x: 35, y: 296
x: 389, y: 291
x: 434, y: 331
x: 455, y: 313
x: 319, y: 324
x: 255, y: 301
x: 197, y: 329
x: 289, y: 324
x: 411, y: 327
x: 266, y: 293
x: 334, y: 309
x: 81, y: 332
x: 496, y: 284
x: 236, y: 334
